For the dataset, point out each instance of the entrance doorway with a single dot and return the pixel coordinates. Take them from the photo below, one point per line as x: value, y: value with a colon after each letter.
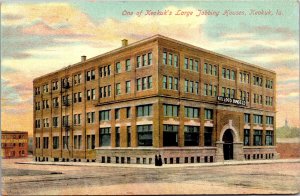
x: 228, y: 145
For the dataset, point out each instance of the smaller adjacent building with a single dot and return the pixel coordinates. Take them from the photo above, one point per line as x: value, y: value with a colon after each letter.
x: 14, y: 144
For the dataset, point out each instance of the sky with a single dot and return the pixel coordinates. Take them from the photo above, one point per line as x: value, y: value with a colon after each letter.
x: 39, y: 37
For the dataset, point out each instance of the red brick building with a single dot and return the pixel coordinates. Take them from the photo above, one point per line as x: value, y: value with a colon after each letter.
x: 14, y: 144
x: 155, y: 96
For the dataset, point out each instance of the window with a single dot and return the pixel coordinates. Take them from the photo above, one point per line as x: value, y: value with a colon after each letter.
x: 117, y: 136
x: 150, y: 58
x: 171, y: 110
x: 208, y: 136
x: 105, y: 91
x: 149, y: 82
x: 66, y: 142
x: 244, y: 77
x: 176, y: 86
x: 90, y: 117
x: 90, y: 75
x: 55, y: 121
x: 128, y: 112
x: 191, y: 112
x: 186, y: 65
x: 269, y: 84
x: 45, y: 104
x: 165, y: 82
x: 46, y: 122
x: 117, y: 113
x: 246, y: 118
x: 269, y: 101
x: 54, y: 102
x: 77, y: 119
x: 191, y: 87
x: 118, y: 67
x: 139, y: 84
x: 65, y: 120
x: 186, y: 86
x: 215, y: 94
x: 38, y: 123
x: 191, y: 66
x: 215, y: 70
x: 144, y: 60
x: 170, y: 59
x: 37, y: 142
x: 205, y: 68
x: 165, y: 58
x: 196, y: 88
x: 45, y: 88
x: 144, y: 110
x: 55, y: 142
x: 45, y: 142
x: 196, y: 65
x: 118, y: 89
x: 208, y: 114
x: 55, y: 85
x: 176, y: 60
x: 144, y: 83
x: 128, y: 65
x: 170, y: 82
x: 77, y: 141
x: 88, y: 95
x: 77, y: 79
x: 191, y: 135
x: 77, y: 97
x: 90, y: 140
x: 170, y: 135
x: 93, y: 94
x: 128, y: 90
x: 257, y: 119
x: 37, y: 106
x: 37, y: 90
x: 105, y: 135
x: 144, y: 135
x: 269, y: 138
x: 269, y: 120
x: 257, y: 137
x: 138, y: 61
x: 257, y: 80
x: 246, y: 137
x: 128, y: 136
x: 108, y: 70
x: 232, y: 75
x: 228, y: 74
x: 104, y: 115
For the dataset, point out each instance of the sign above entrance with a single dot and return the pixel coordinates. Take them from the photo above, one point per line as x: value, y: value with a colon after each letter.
x: 238, y: 102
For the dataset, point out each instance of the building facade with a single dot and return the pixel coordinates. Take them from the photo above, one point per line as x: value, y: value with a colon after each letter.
x: 155, y: 96
x: 14, y: 144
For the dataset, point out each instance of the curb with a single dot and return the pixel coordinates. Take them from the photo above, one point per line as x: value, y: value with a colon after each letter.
x: 229, y: 163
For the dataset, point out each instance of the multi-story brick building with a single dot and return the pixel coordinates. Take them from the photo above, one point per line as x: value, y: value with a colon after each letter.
x: 14, y: 144
x: 155, y: 96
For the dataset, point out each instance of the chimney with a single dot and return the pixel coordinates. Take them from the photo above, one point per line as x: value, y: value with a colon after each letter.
x: 124, y: 42
x: 83, y: 58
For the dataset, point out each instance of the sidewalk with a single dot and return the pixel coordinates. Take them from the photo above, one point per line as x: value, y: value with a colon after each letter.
x: 225, y: 163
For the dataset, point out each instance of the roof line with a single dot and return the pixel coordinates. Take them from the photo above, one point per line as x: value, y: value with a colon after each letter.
x: 149, y: 39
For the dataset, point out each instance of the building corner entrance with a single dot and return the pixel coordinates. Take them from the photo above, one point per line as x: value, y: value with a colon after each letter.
x: 229, y: 146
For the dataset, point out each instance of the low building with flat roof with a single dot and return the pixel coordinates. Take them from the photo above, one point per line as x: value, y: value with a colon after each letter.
x: 14, y: 144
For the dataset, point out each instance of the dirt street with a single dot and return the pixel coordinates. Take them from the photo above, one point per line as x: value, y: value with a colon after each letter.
x: 24, y: 179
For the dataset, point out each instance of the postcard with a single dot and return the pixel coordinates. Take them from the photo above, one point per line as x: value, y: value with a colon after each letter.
x: 149, y: 97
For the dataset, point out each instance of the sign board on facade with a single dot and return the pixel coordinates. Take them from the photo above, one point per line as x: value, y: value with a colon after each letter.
x: 237, y: 102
